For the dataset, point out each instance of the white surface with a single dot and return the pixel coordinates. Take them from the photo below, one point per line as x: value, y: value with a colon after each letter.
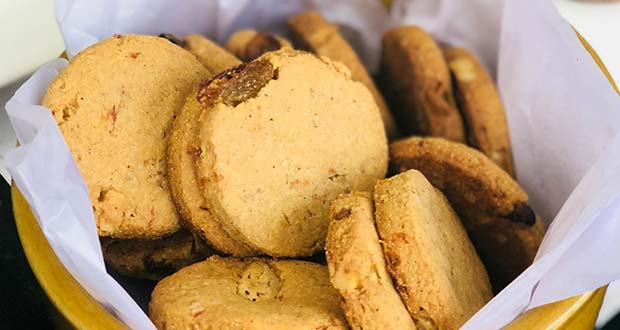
x: 599, y: 23
x: 546, y: 95
x: 29, y: 37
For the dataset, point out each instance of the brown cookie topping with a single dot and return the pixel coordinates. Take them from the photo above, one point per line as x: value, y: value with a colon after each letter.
x: 237, y: 84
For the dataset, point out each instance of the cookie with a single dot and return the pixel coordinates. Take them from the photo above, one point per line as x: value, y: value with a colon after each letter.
x: 231, y: 293
x: 357, y: 268
x: 416, y: 81
x: 117, y: 130
x: 481, y: 107
x: 434, y: 264
x: 153, y: 259
x: 248, y: 45
x: 195, y: 215
x: 491, y: 204
x: 215, y: 58
x: 279, y: 138
x: 311, y: 32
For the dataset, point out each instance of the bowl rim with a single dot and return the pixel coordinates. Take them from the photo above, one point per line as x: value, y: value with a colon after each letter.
x: 82, y: 311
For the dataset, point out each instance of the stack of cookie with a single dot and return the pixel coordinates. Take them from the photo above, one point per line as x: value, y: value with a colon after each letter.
x: 253, y: 154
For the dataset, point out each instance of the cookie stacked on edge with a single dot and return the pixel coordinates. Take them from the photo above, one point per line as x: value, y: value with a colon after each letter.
x: 261, y: 153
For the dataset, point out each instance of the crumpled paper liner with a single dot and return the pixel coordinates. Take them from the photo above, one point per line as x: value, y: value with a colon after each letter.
x: 563, y: 117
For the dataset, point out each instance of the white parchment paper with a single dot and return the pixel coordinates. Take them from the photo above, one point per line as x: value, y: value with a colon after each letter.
x: 563, y: 117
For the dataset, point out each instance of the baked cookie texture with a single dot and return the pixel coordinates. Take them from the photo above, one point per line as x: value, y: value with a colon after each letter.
x: 491, y: 204
x: 249, y: 44
x: 195, y: 213
x: 279, y: 139
x: 230, y: 293
x: 434, y: 264
x: 215, y: 58
x: 416, y: 82
x: 153, y: 259
x: 357, y: 267
x: 481, y: 107
x: 313, y: 33
x: 117, y: 132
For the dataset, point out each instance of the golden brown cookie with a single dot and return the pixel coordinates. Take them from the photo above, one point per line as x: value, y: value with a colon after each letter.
x: 417, y: 83
x: 491, y: 204
x: 248, y: 45
x: 357, y: 268
x: 184, y: 185
x: 153, y: 259
x: 117, y: 130
x: 279, y: 138
x: 260, y: 293
x: 481, y: 107
x: 311, y: 32
x: 434, y: 264
x: 215, y: 58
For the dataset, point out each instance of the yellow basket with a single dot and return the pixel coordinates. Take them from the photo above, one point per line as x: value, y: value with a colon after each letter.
x: 76, y: 309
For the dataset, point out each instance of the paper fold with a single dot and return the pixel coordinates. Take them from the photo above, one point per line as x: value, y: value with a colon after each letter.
x: 562, y: 113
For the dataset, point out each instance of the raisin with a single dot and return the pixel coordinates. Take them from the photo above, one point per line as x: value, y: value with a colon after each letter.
x: 522, y: 213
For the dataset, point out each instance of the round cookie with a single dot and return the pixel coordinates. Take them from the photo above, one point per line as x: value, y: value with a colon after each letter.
x: 357, y: 268
x: 184, y: 185
x: 215, y: 58
x: 114, y: 103
x: 417, y: 83
x: 491, y: 204
x: 434, y: 264
x: 313, y: 33
x: 230, y: 293
x: 481, y: 107
x: 279, y: 138
x: 153, y: 259
x: 248, y: 45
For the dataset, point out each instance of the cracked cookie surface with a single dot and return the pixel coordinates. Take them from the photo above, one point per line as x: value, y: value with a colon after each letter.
x: 256, y: 293
x: 279, y: 138
x: 434, y: 265
x: 117, y: 131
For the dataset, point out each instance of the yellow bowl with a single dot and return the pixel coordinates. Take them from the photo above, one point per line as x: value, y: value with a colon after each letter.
x: 76, y: 309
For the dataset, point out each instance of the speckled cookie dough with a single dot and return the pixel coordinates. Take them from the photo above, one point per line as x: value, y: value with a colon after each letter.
x: 434, y: 265
x: 313, y: 33
x: 230, y: 293
x: 184, y: 185
x: 280, y: 137
x: 357, y: 267
x: 415, y: 78
x: 493, y: 207
x: 481, y: 107
x: 114, y: 104
x: 215, y: 58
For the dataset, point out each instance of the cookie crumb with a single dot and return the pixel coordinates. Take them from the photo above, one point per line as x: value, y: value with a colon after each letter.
x: 343, y: 213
